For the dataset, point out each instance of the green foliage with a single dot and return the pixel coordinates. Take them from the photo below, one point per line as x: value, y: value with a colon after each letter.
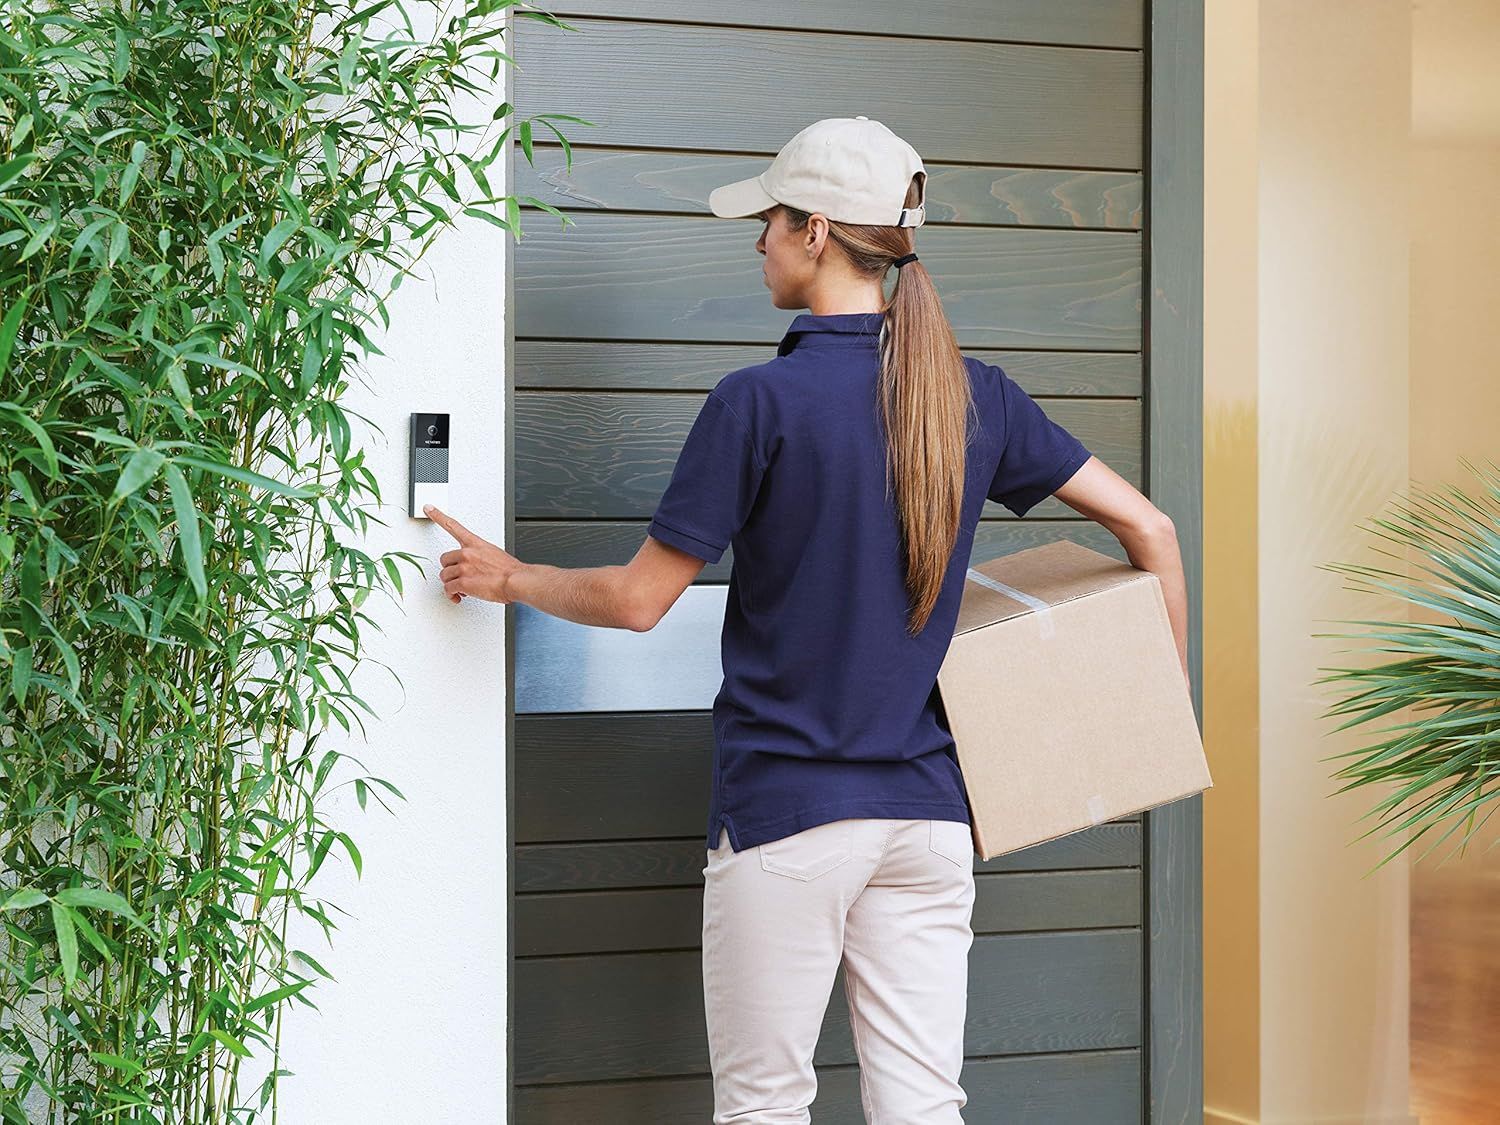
x: 204, y: 206
x: 1442, y: 764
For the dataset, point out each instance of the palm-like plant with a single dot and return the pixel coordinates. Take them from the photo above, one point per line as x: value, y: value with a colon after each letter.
x: 1444, y: 763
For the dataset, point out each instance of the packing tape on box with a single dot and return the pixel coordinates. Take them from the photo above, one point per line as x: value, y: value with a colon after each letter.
x: 1043, y: 610
x: 1095, y: 805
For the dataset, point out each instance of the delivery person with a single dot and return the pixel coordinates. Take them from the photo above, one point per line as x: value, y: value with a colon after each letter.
x: 848, y: 472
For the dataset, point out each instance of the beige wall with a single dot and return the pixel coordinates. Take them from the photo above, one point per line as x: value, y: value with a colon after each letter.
x: 1231, y: 720
x: 1455, y: 329
x: 1455, y: 248
x: 1305, y: 356
x: 1455, y: 362
x: 1335, y: 106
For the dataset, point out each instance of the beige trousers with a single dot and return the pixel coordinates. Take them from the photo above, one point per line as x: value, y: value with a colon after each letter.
x: 892, y: 900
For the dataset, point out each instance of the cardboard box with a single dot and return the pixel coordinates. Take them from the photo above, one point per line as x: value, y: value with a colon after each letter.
x: 1065, y: 697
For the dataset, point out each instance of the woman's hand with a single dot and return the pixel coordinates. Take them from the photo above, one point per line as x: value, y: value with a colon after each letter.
x: 476, y: 566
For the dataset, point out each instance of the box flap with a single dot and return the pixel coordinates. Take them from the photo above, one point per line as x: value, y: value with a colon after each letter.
x: 1027, y: 580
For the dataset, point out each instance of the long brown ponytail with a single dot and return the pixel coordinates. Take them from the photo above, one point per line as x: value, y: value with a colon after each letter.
x: 925, y: 403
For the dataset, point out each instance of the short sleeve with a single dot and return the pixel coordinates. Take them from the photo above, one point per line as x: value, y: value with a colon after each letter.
x: 714, y: 484
x: 1039, y: 455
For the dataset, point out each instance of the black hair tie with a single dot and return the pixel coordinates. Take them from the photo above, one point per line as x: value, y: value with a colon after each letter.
x: 901, y: 261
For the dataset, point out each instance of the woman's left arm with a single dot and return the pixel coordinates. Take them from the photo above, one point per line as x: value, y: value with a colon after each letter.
x: 1144, y: 530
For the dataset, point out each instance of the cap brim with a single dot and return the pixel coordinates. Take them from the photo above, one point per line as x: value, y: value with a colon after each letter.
x: 740, y: 199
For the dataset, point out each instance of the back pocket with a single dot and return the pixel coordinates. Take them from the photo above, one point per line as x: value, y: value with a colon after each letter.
x: 953, y: 840
x: 812, y: 852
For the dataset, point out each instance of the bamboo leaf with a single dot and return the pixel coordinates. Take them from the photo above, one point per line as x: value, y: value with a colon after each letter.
x: 140, y: 469
x: 230, y: 1041
x: 354, y: 855
x: 132, y: 173
x: 276, y: 995
x: 96, y: 898
x: 120, y: 61
x: 12, y: 170
x: 119, y: 242
x: 118, y: 1062
x: 67, y: 941
x: 38, y: 239
x: 43, y: 439
x: 23, y: 899
x: 177, y: 380
x: 218, y: 361
x: 246, y: 476
x: 9, y: 328
x: 276, y: 238
x: 187, y: 528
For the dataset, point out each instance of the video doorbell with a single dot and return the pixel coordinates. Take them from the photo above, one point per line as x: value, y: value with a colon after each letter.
x: 429, y: 463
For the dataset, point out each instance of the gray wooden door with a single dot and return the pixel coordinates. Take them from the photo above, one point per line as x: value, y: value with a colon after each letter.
x: 1033, y: 119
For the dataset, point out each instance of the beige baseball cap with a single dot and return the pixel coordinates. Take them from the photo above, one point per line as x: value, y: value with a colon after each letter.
x: 851, y: 169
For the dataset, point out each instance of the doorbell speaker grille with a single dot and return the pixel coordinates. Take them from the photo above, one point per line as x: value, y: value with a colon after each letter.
x: 430, y: 466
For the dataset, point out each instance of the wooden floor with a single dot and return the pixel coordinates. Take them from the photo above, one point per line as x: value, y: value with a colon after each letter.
x: 1455, y: 990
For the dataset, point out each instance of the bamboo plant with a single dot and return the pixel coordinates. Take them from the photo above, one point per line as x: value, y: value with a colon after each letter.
x: 204, y: 207
x: 1441, y: 766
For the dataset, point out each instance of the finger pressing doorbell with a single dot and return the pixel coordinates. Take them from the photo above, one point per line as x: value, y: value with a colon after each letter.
x: 429, y: 463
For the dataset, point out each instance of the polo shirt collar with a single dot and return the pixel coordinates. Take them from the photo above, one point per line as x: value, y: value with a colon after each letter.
x: 833, y: 328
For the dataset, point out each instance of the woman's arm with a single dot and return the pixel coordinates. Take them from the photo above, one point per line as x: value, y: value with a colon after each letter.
x: 1144, y: 530
x: 633, y: 596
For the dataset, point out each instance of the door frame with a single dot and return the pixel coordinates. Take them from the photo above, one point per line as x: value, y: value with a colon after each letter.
x: 1172, y: 838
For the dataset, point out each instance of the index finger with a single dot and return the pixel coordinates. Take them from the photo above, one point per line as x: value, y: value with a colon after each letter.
x: 449, y: 524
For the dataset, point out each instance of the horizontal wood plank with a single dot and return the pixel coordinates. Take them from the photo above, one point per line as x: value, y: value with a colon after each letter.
x: 672, y: 917
x: 583, y: 454
x: 1090, y: 23
x: 672, y: 182
x: 1096, y: 1087
x: 679, y: 862
x: 1063, y: 106
x: 587, y: 365
x: 611, y: 276
x: 612, y: 542
x: 622, y: 776
x: 1075, y: 990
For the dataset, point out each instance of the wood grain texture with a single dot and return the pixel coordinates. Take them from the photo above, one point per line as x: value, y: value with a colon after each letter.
x: 1092, y: 1087
x: 672, y: 917
x: 641, y: 775
x: 1174, y: 832
x: 994, y: 103
x: 610, y: 455
x: 565, y: 364
x: 1074, y: 990
x: 676, y: 182
x: 613, y: 542
x: 674, y: 863
x: 1090, y: 23
x: 672, y: 278
x: 1455, y: 991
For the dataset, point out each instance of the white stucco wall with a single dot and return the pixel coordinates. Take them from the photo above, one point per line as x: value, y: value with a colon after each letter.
x: 414, y: 1028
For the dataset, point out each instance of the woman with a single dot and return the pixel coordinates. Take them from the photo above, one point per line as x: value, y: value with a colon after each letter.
x: 848, y: 473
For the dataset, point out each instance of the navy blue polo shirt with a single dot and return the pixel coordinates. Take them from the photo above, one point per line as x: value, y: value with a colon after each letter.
x: 829, y: 708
